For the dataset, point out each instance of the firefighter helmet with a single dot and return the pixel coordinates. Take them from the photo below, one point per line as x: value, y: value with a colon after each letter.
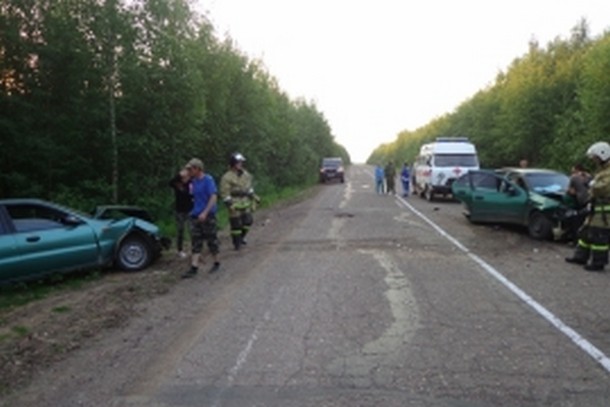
x: 236, y: 158
x: 601, y: 149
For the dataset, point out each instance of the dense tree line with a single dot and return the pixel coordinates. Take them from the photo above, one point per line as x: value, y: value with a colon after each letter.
x: 103, y: 100
x: 548, y: 107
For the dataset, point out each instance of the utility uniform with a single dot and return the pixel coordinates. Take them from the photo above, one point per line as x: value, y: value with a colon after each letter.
x: 237, y: 193
x: 594, y: 241
x: 405, y: 177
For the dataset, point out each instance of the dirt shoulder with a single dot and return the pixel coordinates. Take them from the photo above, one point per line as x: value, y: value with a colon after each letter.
x: 36, y: 336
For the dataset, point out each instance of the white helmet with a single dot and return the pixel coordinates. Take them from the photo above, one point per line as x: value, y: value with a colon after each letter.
x: 601, y: 149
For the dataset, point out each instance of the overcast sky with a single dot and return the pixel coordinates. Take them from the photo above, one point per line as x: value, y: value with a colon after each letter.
x: 375, y: 68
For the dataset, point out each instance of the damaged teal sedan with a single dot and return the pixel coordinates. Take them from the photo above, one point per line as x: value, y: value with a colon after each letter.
x: 534, y: 198
x: 39, y: 238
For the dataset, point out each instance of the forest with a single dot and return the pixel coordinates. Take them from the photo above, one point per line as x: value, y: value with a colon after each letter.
x: 547, y: 107
x: 102, y: 101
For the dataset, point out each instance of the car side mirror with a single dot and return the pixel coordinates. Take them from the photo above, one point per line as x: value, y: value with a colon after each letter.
x: 71, y: 220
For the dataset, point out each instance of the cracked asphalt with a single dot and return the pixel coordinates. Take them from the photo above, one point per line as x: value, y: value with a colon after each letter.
x: 352, y: 299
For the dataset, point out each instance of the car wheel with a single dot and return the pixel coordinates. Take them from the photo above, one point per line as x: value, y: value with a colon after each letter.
x: 134, y: 253
x: 540, y: 227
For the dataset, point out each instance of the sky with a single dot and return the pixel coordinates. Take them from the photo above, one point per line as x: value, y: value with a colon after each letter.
x: 376, y: 68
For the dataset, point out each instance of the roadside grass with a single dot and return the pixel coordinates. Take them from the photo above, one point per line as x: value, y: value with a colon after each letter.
x: 61, y: 310
x: 20, y: 330
x: 20, y: 294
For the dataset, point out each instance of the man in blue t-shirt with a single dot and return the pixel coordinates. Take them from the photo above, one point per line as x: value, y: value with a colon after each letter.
x: 203, y: 216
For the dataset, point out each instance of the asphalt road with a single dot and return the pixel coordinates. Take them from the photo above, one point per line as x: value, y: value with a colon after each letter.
x: 350, y: 298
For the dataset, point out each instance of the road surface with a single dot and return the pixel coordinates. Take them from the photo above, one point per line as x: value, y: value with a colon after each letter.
x: 350, y: 298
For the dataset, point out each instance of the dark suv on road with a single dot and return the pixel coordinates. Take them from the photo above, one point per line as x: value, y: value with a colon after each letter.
x: 332, y: 168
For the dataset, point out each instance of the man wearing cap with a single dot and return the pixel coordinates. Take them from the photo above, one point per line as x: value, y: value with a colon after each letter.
x: 203, y: 216
x: 237, y: 193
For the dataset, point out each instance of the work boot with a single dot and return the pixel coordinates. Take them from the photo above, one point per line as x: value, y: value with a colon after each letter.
x: 236, y: 242
x: 594, y: 267
x: 599, y: 258
x: 576, y: 260
x: 580, y: 256
x: 215, y: 267
x: 190, y: 273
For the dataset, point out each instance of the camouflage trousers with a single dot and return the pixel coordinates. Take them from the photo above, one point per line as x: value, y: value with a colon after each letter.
x: 206, y: 231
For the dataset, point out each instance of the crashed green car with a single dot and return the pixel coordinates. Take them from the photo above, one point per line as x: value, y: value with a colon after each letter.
x: 39, y: 238
x: 534, y: 198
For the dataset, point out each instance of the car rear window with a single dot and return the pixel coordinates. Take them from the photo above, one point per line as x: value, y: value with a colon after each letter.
x: 331, y: 162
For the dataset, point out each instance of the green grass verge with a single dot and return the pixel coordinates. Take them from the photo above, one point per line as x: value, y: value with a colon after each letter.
x: 23, y: 293
x: 20, y: 330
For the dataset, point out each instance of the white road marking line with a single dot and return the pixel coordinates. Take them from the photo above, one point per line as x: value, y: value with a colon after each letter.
x: 245, y: 352
x: 574, y: 336
x: 241, y: 359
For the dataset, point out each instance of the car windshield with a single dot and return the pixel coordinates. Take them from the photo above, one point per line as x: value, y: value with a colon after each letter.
x: 331, y: 162
x: 456, y: 160
x: 547, y: 182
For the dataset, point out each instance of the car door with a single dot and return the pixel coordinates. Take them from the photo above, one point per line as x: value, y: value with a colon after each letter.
x: 494, y: 199
x: 9, y: 255
x: 462, y: 189
x: 46, y: 243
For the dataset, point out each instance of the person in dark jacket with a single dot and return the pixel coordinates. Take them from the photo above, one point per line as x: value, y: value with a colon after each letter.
x: 183, y: 204
x: 390, y: 178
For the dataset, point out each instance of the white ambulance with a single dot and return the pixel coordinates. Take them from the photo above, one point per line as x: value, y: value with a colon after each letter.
x: 440, y: 163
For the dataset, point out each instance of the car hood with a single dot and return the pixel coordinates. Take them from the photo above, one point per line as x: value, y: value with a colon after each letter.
x: 117, y: 227
x: 546, y: 201
x: 146, y: 226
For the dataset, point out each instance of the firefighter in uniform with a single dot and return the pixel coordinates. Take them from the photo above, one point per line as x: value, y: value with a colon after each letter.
x: 237, y: 193
x: 594, y: 240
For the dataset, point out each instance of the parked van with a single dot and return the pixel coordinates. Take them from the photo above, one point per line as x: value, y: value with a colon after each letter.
x: 440, y: 163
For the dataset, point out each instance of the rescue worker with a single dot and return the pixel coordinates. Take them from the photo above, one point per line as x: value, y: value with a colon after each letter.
x: 593, y: 244
x: 405, y: 177
x: 238, y: 194
x: 379, y: 177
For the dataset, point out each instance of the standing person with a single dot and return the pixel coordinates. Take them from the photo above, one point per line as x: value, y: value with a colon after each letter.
x: 203, y: 216
x: 379, y: 177
x: 183, y: 204
x: 405, y: 177
x: 523, y: 163
x: 594, y: 242
x: 578, y: 191
x: 237, y: 193
x: 578, y: 188
x: 390, y: 178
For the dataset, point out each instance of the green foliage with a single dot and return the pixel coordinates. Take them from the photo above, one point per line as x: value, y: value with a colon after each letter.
x: 99, y: 98
x: 548, y: 107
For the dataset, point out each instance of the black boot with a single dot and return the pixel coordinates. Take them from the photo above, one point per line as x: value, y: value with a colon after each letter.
x: 580, y: 256
x: 594, y: 267
x: 599, y: 259
x: 236, y: 241
x: 190, y: 273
